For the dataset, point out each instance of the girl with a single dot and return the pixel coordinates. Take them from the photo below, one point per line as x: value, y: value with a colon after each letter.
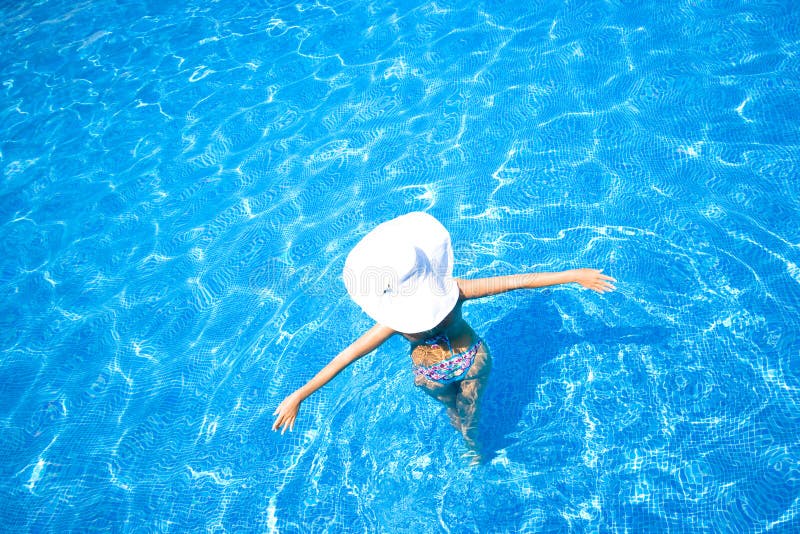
x: 400, y: 274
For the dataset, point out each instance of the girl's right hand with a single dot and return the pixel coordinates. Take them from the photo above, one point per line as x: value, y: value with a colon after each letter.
x: 286, y: 413
x: 594, y: 279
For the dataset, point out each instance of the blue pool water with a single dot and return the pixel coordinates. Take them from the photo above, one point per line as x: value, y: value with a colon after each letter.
x: 182, y: 182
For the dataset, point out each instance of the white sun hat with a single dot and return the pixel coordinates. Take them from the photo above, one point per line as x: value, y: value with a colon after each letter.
x: 401, y: 273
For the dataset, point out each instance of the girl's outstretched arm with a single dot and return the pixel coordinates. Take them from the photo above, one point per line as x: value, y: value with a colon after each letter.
x: 483, y: 287
x: 286, y: 413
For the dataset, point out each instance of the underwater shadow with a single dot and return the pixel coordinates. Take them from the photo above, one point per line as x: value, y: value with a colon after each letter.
x: 522, y: 343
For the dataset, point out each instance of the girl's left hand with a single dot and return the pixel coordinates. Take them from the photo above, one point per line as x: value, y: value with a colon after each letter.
x: 286, y: 413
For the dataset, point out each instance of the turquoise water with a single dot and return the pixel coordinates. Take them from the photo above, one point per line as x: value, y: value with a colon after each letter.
x: 182, y: 183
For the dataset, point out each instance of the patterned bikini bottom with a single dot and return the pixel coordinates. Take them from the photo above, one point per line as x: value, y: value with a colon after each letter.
x: 452, y: 369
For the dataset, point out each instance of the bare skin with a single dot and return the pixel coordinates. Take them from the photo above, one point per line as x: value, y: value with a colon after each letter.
x: 462, y: 398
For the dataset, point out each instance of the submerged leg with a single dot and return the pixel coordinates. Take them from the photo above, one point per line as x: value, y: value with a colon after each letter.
x: 446, y: 394
x: 468, y: 400
x: 468, y: 406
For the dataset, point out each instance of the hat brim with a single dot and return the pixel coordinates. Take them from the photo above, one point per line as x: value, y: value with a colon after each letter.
x: 413, y: 309
x: 414, y: 254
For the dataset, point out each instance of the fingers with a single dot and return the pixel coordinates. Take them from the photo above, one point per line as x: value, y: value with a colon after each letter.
x: 603, y: 285
x: 283, y: 420
x: 289, y: 423
x: 280, y: 419
x: 600, y: 276
x: 283, y: 417
x: 602, y: 290
x: 279, y: 409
